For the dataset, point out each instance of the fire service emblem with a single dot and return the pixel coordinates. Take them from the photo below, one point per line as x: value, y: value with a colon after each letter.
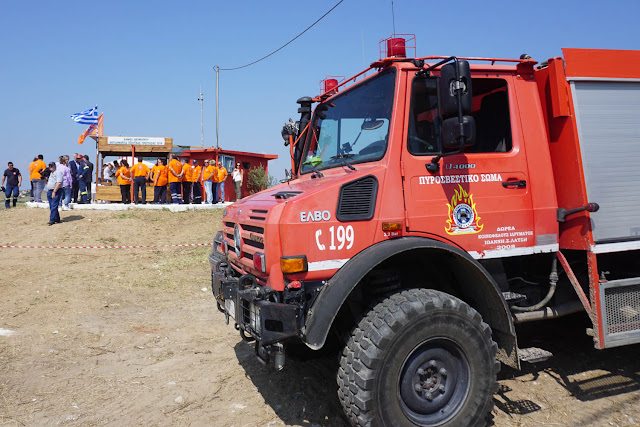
x: 463, y: 216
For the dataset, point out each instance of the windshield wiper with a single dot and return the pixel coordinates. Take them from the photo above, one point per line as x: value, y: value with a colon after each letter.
x: 317, y: 173
x: 343, y: 160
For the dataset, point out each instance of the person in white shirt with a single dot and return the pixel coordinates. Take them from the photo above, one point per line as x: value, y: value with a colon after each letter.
x: 54, y: 193
x: 108, y: 173
x: 237, y: 176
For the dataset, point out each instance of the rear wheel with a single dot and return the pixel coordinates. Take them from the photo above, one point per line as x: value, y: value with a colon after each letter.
x: 419, y: 357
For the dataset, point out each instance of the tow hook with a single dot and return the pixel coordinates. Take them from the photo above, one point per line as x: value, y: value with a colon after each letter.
x: 264, y: 353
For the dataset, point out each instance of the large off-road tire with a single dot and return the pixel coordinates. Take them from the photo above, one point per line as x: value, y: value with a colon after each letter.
x: 419, y: 357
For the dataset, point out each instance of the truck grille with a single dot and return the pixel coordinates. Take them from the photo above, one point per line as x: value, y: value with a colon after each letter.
x: 252, y: 241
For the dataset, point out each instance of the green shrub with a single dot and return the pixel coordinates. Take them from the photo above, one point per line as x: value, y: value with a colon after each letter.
x: 258, y: 179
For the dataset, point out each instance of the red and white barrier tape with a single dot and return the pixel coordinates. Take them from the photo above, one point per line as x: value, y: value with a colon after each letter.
x: 102, y: 247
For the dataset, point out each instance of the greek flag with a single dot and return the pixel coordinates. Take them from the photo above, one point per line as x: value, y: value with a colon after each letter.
x: 88, y: 117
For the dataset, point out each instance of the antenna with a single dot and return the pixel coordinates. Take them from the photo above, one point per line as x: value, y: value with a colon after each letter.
x: 201, y: 99
x: 393, y: 18
x: 364, y: 64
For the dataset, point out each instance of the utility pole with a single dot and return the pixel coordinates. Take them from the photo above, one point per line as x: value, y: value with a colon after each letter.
x: 201, y: 99
x: 217, y: 103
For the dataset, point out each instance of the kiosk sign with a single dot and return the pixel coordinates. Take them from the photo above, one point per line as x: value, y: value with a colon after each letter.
x: 134, y: 140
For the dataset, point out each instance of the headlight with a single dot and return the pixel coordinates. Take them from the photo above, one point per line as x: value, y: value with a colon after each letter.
x: 254, y: 317
x: 219, y: 243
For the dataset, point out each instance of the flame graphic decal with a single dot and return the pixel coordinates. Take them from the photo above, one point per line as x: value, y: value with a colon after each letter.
x: 463, y: 216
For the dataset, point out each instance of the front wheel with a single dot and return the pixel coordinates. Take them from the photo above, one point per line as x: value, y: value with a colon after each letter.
x: 419, y: 357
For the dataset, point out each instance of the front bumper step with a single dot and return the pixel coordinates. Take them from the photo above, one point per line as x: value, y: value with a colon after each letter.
x: 252, y: 306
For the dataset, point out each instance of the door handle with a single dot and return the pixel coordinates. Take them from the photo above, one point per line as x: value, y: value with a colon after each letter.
x: 517, y: 184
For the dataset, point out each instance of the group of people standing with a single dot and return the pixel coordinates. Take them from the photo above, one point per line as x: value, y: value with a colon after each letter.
x: 66, y: 179
x: 76, y: 185
x: 70, y: 180
x: 186, y: 181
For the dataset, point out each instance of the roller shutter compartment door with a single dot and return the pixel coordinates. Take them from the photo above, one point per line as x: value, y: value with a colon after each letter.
x: 608, y: 120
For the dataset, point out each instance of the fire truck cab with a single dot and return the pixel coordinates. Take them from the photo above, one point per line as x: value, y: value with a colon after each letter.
x: 431, y: 206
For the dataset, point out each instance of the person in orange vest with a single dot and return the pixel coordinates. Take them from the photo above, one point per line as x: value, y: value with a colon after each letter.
x: 140, y: 174
x: 196, y: 188
x: 37, y: 183
x: 187, y: 171
x: 159, y: 175
x: 222, y: 175
x: 175, y: 178
x: 207, y: 177
x: 216, y: 183
x: 31, y: 174
x: 123, y: 175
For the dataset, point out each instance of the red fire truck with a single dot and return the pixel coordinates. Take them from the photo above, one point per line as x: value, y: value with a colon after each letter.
x: 432, y: 204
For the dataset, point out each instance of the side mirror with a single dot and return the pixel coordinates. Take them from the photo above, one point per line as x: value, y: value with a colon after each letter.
x: 449, y: 88
x: 452, y: 130
x: 320, y: 109
x: 371, y: 124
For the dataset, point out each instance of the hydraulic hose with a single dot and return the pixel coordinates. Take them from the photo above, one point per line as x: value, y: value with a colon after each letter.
x: 553, y: 281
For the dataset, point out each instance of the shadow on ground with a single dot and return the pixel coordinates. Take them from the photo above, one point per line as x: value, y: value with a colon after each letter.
x: 72, y: 218
x: 303, y: 393
x: 586, y: 373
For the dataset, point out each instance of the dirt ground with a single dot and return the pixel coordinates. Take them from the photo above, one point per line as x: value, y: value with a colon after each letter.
x: 132, y: 337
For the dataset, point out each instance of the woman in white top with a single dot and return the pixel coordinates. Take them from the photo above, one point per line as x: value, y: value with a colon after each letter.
x: 109, y: 173
x: 237, y: 180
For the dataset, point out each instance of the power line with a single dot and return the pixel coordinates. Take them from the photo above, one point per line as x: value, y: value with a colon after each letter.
x: 286, y: 44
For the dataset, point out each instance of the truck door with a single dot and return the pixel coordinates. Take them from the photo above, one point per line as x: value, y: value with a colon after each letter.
x: 479, y: 199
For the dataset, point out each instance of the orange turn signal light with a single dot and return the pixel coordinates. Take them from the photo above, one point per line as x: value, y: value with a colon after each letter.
x: 392, y: 226
x: 293, y: 264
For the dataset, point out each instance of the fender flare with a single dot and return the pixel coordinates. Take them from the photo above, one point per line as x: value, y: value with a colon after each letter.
x: 487, y: 297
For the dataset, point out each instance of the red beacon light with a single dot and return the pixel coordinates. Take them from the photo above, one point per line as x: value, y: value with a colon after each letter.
x: 329, y: 85
x: 397, y: 45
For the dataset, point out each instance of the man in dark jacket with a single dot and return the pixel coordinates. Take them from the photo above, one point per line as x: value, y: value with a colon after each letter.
x: 89, y: 177
x: 83, y: 176
x: 73, y: 165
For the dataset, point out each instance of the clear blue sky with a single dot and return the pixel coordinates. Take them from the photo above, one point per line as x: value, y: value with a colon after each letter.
x: 143, y: 62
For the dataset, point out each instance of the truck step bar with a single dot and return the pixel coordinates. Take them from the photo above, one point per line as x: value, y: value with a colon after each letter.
x: 533, y: 354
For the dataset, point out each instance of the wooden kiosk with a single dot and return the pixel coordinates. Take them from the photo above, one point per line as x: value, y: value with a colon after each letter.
x: 127, y: 146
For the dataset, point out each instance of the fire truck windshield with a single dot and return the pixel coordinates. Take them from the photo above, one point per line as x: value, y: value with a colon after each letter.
x: 353, y: 126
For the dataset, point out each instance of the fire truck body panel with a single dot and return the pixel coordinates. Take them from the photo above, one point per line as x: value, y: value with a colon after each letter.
x: 369, y: 216
x: 591, y: 107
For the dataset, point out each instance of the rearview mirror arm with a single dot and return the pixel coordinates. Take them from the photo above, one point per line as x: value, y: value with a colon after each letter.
x: 434, y: 165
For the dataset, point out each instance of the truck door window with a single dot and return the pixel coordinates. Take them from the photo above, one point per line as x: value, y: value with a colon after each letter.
x: 490, y: 111
x: 353, y: 126
x: 424, y: 117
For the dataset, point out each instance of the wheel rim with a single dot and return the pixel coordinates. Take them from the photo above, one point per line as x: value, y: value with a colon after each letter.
x: 433, y: 382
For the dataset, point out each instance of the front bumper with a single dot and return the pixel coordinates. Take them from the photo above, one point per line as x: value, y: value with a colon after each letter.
x: 253, y: 307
